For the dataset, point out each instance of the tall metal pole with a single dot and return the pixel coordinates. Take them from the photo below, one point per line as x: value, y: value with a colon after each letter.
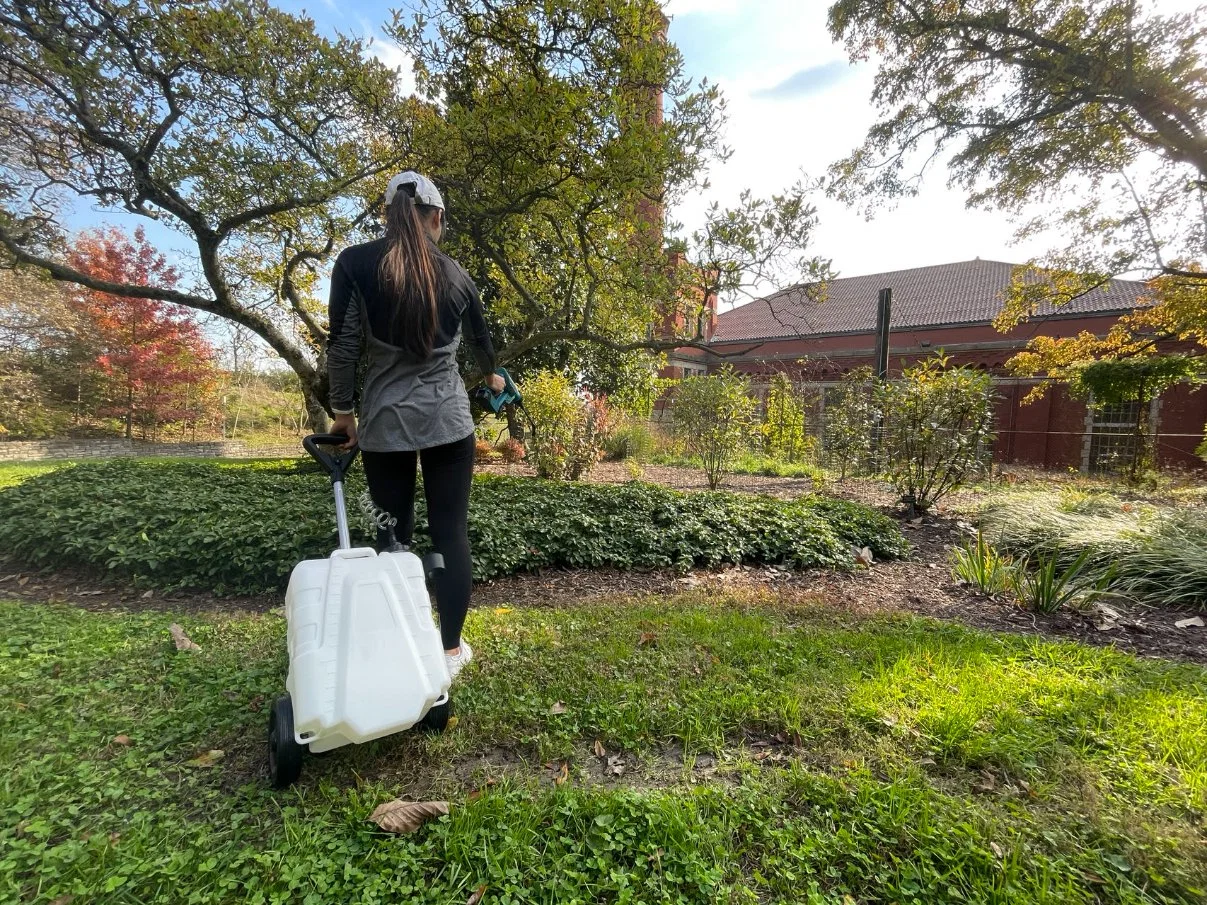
x: 884, y: 316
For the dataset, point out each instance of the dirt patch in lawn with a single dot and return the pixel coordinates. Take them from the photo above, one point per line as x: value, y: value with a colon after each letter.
x: 85, y: 588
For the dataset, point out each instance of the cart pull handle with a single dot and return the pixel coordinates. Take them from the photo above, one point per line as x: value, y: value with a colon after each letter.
x: 337, y: 464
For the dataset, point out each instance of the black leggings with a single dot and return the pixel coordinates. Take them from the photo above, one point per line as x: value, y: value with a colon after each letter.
x: 448, y: 471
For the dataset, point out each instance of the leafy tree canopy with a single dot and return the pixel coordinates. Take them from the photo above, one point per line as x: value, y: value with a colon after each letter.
x: 231, y: 122
x: 266, y: 146
x: 1093, y: 108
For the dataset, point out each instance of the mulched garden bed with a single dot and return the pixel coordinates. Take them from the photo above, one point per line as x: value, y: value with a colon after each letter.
x: 922, y: 585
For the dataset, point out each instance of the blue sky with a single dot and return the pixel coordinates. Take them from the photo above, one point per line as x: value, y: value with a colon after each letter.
x: 795, y: 105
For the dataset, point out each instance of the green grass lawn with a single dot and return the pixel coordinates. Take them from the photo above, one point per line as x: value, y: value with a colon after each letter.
x: 772, y: 753
x: 13, y: 473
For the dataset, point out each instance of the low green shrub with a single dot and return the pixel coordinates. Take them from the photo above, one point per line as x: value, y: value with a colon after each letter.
x: 1153, y: 554
x: 570, y: 431
x: 240, y: 527
x: 749, y: 463
x: 632, y: 439
x: 976, y: 563
x: 777, y: 468
x: 1047, y: 586
x: 860, y: 526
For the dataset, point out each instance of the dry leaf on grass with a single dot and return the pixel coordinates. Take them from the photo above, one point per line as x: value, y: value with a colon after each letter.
x: 400, y: 816
x: 647, y: 639
x: 997, y: 850
x: 600, y: 751
x: 124, y: 740
x: 562, y: 775
x: 183, y: 642
x: 208, y: 759
x: 148, y: 595
x: 1193, y: 622
x: 477, y: 895
x: 558, y: 709
x: 63, y: 900
x: 864, y: 558
x: 477, y: 793
x: 23, y: 580
x: 987, y: 783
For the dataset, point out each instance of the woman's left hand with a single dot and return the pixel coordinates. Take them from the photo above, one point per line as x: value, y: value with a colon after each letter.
x: 496, y: 383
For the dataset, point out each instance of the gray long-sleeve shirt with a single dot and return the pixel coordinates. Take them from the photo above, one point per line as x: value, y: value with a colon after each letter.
x: 407, y: 403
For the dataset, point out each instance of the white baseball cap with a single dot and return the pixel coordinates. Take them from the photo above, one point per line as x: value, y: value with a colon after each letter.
x: 425, y: 191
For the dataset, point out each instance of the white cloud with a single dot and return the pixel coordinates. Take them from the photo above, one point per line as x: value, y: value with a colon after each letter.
x: 776, y: 138
x: 397, y: 59
x: 685, y: 7
x: 392, y: 56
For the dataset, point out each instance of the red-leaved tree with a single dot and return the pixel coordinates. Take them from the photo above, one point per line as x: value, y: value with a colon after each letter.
x: 156, y: 365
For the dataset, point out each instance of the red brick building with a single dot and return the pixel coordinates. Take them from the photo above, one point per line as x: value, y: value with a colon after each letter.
x: 949, y: 307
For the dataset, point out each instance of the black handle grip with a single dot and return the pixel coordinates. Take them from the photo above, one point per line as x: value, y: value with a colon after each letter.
x: 337, y: 465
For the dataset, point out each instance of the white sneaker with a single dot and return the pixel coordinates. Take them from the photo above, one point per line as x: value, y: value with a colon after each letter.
x: 458, y: 662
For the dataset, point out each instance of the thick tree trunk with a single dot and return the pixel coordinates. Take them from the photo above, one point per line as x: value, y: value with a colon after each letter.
x: 316, y: 411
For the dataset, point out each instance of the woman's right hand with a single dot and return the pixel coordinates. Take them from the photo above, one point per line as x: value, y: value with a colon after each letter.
x: 496, y: 383
x: 345, y: 424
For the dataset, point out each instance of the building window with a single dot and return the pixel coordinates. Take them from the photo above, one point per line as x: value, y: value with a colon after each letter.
x: 1111, y: 436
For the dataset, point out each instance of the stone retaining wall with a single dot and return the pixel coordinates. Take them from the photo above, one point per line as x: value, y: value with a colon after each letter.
x: 34, y: 450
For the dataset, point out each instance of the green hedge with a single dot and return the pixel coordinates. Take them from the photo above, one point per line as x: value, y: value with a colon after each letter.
x: 240, y: 527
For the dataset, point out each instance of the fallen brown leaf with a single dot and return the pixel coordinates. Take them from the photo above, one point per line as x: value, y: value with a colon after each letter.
x: 477, y: 793
x: 208, y: 759
x: 477, y: 895
x: 562, y: 775
x: 647, y: 639
x: 1193, y: 622
x: 997, y: 850
x: 864, y: 558
x: 148, y: 595
x: 600, y: 751
x: 558, y: 709
x: 987, y: 783
x: 183, y: 641
x: 23, y: 580
x: 124, y: 740
x: 63, y: 900
x: 400, y: 816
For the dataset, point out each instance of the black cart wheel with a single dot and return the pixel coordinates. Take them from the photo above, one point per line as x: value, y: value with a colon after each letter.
x: 284, y: 753
x: 435, y: 720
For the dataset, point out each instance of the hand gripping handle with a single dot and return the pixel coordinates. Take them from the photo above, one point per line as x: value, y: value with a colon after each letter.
x: 337, y: 464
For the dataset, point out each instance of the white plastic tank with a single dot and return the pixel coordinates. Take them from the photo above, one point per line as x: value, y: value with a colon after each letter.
x: 365, y: 656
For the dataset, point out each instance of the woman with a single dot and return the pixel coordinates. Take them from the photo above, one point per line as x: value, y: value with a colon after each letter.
x: 408, y: 302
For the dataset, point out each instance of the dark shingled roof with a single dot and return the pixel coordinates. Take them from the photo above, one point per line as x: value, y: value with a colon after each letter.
x: 970, y: 292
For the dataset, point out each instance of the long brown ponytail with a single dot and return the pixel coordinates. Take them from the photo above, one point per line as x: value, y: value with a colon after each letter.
x: 409, y: 273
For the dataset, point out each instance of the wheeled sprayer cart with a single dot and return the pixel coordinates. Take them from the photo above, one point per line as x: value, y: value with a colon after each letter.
x: 365, y: 655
